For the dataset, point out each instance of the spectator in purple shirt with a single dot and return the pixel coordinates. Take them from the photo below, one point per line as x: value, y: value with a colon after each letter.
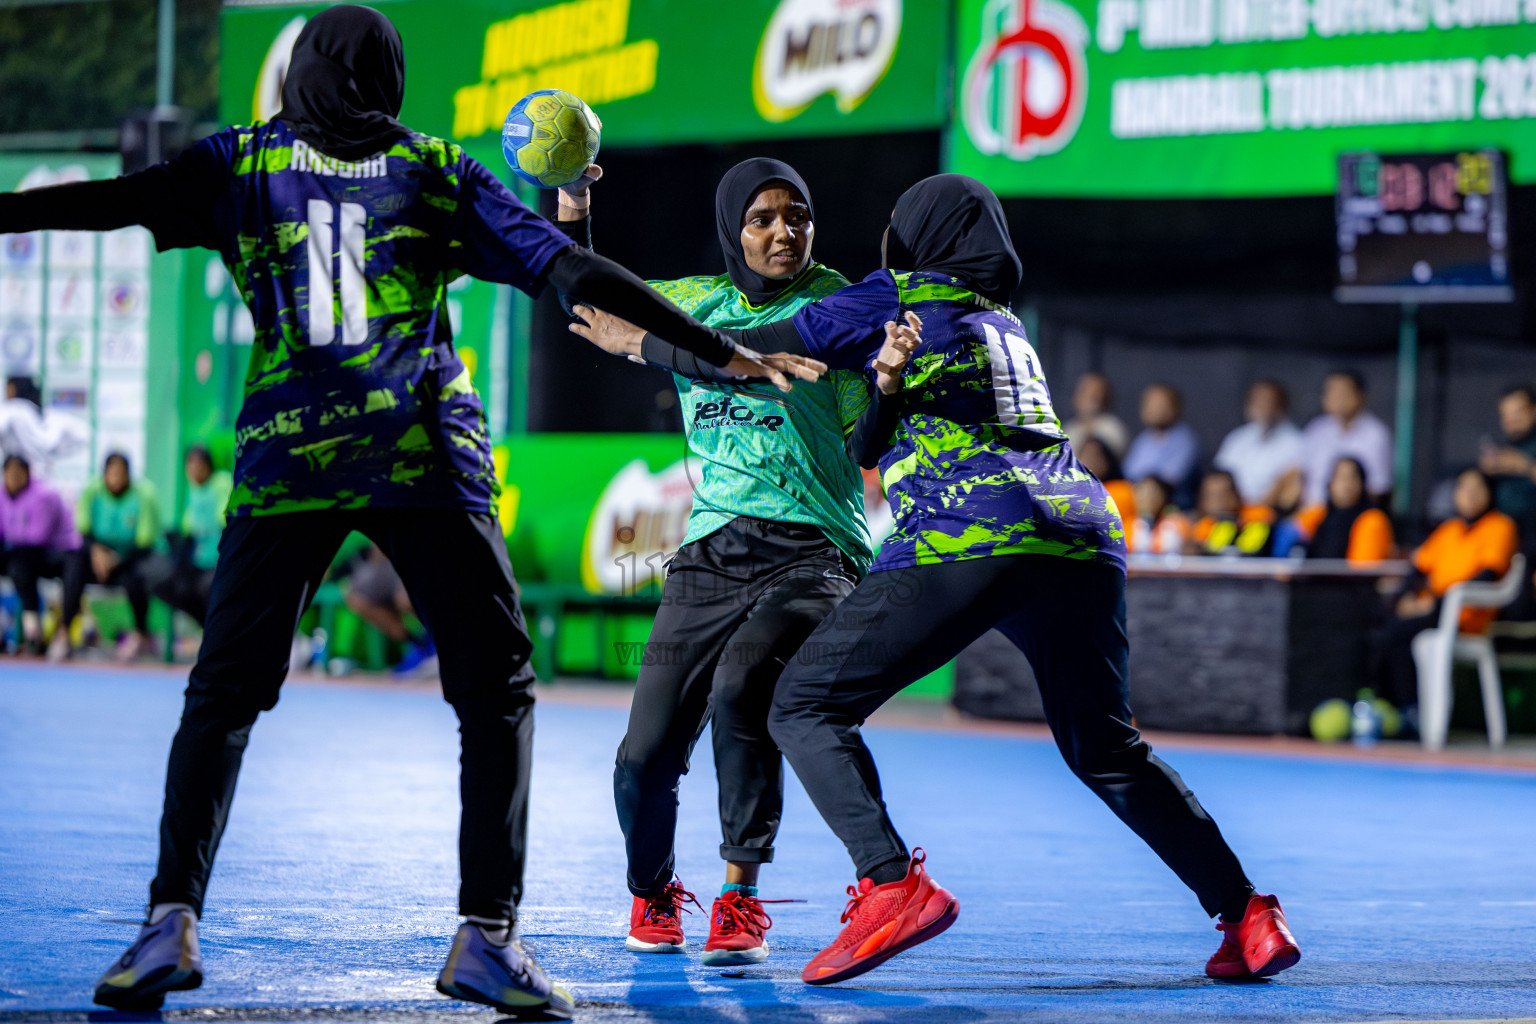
x: 38, y: 537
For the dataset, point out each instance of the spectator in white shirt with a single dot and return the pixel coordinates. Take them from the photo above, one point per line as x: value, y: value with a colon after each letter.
x: 1346, y: 429
x: 1265, y: 448
x: 1092, y: 415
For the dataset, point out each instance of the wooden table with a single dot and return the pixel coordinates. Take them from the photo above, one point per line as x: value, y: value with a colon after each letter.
x: 1231, y: 645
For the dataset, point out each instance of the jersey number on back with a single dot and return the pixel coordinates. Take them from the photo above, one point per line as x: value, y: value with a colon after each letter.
x: 1015, y: 382
x: 323, y: 220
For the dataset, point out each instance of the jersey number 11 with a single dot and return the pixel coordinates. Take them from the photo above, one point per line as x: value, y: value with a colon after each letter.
x: 322, y: 281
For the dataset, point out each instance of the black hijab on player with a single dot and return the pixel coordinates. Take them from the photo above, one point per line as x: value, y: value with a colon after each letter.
x: 951, y: 224
x: 345, y: 83
x: 736, y: 190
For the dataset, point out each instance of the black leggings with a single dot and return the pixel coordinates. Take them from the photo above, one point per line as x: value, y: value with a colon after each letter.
x: 455, y: 567
x: 1068, y: 617
x: 25, y: 566
x: 735, y: 607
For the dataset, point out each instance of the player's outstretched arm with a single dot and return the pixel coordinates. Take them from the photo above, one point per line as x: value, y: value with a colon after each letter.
x: 620, y: 337
x: 80, y: 206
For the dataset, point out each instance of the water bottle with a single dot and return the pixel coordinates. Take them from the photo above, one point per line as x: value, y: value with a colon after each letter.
x: 1364, y: 721
x: 317, y: 644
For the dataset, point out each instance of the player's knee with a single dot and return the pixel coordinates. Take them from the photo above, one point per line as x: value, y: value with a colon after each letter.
x: 1098, y: 764
x: 648, y: 766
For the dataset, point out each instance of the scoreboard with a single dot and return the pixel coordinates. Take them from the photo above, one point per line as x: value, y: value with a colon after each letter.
x: 1423, y: 228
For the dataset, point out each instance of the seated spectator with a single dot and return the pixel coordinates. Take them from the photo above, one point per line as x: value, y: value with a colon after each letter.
x: 189, y: 577
x: 1225, y: 526
x: 1092, y: 415
x: 1350, y: 526
x: 1265, y: 448
x: 1158, y: 528
x: 1513, y: 463
x: 119, y: 518
x: 38, y: 538
x: 1097, y: 458
x: 1476, y: 544
x: 377, y: 596
x: 1346, y: 428
x: 1167, y: 447
x: 37, y: 436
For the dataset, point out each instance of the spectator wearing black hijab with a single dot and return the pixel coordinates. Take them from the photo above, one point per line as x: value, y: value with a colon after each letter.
x: 997, y: 526
x: 778, y: 511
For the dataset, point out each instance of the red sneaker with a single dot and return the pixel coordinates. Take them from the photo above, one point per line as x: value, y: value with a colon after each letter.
x: 655, y: 924
x: 1258, y: 946
x: 738, y: 927
x: 884, y: 920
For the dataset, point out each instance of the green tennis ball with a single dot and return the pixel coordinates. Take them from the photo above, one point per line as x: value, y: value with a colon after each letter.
x: 1330, y: 721
x: 1391, y: 718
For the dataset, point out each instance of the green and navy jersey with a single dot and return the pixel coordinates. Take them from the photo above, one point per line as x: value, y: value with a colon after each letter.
x: 355, y: 396
x: 765, y: 453
x: 967, y: 474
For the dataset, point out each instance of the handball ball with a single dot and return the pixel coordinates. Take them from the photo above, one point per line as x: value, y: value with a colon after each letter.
x: 550, y: 137
x: 1331, y: 720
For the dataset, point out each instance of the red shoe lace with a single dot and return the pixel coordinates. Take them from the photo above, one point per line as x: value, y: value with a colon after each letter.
x: 743, y: 912
x: 662, y: 909
x: 918, y: 856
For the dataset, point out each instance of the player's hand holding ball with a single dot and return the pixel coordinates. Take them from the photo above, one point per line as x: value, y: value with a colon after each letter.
x: 901, y: 340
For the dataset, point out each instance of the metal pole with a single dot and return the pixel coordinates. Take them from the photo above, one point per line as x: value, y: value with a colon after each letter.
x: 165, y: 55
x: 1407, y: 400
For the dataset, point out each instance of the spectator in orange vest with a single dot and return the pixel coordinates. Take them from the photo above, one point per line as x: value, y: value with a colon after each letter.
x: 1225, y: 526
x: 1350, y: 525
x: 1475, y: 544
x: 1159, y: 528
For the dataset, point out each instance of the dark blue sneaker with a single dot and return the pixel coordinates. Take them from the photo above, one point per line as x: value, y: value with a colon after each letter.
x: 164, y: 958
x: 420, y: 660
x: 505, y: 976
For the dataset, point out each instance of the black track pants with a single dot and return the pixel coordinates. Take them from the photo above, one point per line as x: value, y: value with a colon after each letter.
x: 1068, y: 617
x: 735, y: 607
x: 455, y: 567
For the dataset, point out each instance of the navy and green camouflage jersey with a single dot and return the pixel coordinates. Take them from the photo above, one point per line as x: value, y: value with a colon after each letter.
x: 355, y: 396
x: 971, y: 471
x: 768, y: 454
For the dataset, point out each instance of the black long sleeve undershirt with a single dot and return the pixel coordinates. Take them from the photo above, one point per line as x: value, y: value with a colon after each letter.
x: 580, y: 273
x: 871, y: 435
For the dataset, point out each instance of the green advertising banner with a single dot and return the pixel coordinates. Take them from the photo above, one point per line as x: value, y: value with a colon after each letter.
x: 90, y: 317
x: 656, y: 71
x: 1170, y: 98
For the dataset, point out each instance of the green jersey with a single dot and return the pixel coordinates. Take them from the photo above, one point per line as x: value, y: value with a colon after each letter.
x: 767, y: 454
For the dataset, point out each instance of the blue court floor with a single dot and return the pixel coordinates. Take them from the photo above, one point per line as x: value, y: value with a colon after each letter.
x: 1409, y: 886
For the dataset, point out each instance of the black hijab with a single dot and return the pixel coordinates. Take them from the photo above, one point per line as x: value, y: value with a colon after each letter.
x: 736, y: 190
x: 1332, y: 537
x: 346, y: 82
x: 951, y: 224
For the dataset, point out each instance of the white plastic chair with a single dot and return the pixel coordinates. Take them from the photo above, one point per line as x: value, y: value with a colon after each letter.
x: 1436, y: 650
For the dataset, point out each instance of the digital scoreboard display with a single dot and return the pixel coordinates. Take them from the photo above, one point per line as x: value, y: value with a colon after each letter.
x: 1423, y: 227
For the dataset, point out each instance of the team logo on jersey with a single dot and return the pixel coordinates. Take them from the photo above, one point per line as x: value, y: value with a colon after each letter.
x: 268, y: 99
x: 1024, y: 89
x: 813, y: 47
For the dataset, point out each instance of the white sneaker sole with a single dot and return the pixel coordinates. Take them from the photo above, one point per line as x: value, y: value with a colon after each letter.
x: 556, y: 1008
x: 635, y: 945
x: 731, y: 957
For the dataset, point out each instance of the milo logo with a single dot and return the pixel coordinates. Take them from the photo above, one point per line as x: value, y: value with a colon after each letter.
x: 813, y: 47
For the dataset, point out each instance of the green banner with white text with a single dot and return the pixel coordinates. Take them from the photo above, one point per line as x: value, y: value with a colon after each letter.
x: 1173, y: 98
